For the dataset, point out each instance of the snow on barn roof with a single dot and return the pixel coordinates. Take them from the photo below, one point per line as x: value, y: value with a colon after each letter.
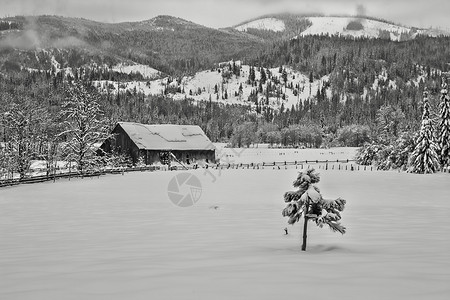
x: 167, y: 136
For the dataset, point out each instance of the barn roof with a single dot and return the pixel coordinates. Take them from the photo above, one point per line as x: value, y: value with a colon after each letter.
x: 167, y: 136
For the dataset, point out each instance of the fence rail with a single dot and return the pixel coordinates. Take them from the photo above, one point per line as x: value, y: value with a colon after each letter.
x: 343, y: 165
x: 53, y: 177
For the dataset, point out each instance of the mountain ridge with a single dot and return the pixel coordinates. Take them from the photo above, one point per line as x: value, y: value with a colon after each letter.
x: 166, y: 43
x: 169, y: 44
x: 343, y: 25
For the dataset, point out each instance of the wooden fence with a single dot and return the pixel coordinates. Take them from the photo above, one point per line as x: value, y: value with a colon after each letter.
x: 342, y: 165
x: 68, y: 175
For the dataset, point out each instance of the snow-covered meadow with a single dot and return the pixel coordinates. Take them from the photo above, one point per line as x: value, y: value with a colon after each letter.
x: 120, y: 237
x: 258, y: 154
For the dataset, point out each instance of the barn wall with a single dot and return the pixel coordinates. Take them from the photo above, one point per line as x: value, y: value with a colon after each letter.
x: 195, y: 156
x: 152, y: 156
x: 121, y: 143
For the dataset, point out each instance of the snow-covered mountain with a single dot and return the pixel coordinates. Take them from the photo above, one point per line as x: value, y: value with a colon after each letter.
x: 359, y: 27
x: 335, y: 25
x: 271, y: 24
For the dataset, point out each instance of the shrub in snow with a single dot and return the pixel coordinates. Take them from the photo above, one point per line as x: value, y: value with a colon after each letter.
x: 368, y: 154
x: 307, y: 202
x: 140, y: 162
x: 386, y: 157
x: 401, y: 148
x: 354, y: 135
x: 116, y: 159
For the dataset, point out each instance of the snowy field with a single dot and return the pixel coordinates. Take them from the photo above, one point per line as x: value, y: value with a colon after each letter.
x: 120, y: 237
x: 262, y: 154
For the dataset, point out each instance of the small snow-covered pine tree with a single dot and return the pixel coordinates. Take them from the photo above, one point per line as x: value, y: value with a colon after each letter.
x: 444, y: 128
x: 424, y: 158
x: 308, y: 202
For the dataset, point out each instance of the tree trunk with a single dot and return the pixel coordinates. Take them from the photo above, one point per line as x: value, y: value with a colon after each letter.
x: 305, y: 225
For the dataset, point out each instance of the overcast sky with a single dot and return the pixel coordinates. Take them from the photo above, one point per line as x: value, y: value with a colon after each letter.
x: 224, y: 13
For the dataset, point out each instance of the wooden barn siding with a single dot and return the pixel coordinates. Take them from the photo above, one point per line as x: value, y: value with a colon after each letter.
x: 152, y: 156
x: 122, y: 143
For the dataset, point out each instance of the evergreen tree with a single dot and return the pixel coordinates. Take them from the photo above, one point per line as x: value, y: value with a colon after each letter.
x: 263, y: 77
x: 285, y: 77
x: 424, y: 158
x: 308, y: 202
x: 251, y: 75
x: 444, y: 128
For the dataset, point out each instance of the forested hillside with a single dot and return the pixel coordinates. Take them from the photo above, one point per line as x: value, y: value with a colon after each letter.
x: 169, y: 44
x: 309, y: 91
x: 366, y: 73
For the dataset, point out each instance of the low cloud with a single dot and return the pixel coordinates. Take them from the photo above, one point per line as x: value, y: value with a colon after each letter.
x: 361, y: 10
x: 67, y: 42
x: 26, y: 40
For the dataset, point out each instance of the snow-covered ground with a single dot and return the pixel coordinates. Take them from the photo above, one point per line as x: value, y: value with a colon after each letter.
x: 272, y: 24
x: 144, y: 70
x: 201, y: 87
x: 119, y: 237
x: 338, y: 25
x: 260, y: 155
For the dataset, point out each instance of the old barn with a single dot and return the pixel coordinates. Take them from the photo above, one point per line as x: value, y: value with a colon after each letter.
x: 188, y: 143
